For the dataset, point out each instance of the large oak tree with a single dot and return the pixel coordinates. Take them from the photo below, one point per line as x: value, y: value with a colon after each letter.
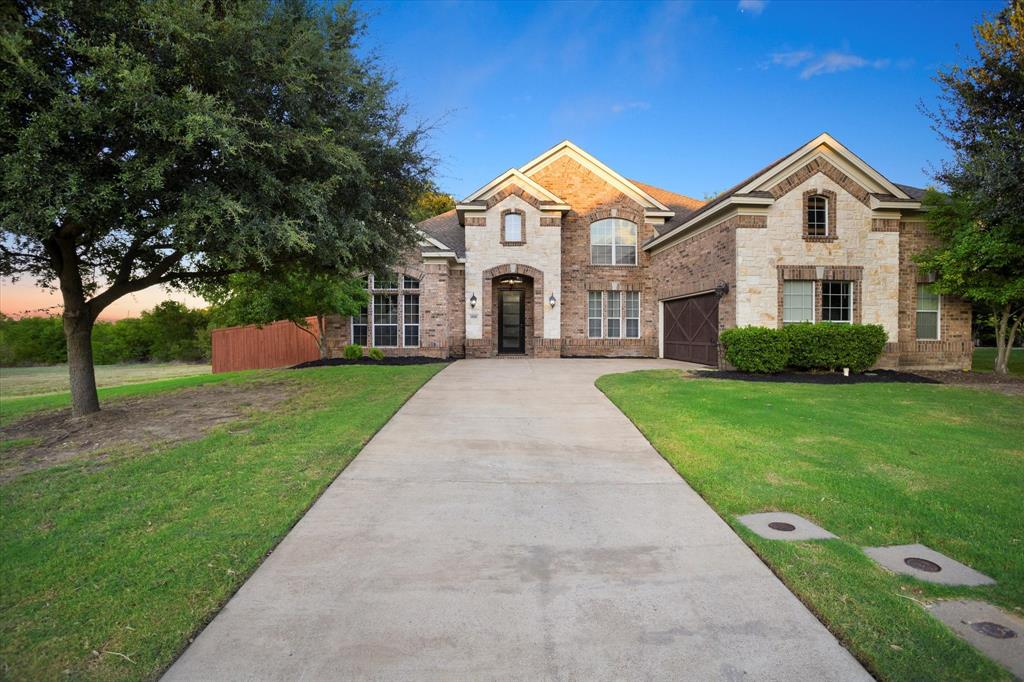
x: 175, y: 142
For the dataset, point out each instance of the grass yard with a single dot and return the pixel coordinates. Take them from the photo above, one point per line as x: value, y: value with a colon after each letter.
x: 984, y: 359
x: 109, y: 565
x: 22, y: 381
x: 876, y: 464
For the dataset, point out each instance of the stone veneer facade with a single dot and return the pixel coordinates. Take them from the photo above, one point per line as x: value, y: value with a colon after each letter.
x: 747, y: 251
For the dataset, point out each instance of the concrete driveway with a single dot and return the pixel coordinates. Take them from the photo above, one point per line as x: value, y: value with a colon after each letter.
x: 510, y: 523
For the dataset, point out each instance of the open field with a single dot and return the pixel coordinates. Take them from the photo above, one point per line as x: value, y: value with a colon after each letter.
x: 114, y: 558
x: 876, y: 464
x: 22, y: 381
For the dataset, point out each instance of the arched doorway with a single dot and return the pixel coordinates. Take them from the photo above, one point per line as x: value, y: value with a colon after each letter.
x: 512, y: 296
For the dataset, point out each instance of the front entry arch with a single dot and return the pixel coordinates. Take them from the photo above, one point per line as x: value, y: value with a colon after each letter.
x: 521, y: 330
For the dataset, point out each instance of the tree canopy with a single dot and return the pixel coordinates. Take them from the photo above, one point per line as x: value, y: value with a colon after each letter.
x: 173, y: 142
x: 980, y: 222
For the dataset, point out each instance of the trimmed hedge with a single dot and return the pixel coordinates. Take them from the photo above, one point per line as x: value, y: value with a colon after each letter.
x: 756, y: 349
x: 821, y: 346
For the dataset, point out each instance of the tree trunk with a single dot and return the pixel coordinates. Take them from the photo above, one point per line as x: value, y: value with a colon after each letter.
x: 321, y: 321
x: 78, y: 333
x: 1002, y: 347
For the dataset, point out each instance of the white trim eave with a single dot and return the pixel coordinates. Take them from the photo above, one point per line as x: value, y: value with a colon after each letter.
x: 731, y: 203
x: 433, y: 242
x: 513, y: 174
x: 600, y: 169
x: 561, y: 208
x: 828, y: 141
x: 877, y: 204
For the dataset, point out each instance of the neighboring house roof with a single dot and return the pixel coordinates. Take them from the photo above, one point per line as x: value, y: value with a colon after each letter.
x: 915, y: 193
x: 446, y: 229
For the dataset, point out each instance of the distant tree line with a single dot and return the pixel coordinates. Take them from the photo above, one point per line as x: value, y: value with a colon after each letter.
x: 170, y: 331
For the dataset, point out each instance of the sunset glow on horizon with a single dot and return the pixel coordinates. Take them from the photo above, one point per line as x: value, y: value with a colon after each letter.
x: 25, y: 298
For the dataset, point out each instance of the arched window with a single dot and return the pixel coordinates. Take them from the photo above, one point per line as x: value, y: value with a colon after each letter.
x: 613, y: 242
x: 817, y: 216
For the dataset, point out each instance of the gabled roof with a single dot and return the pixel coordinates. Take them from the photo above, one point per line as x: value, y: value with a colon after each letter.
x: 512, y: 175
x: 445, y: 228
x: 627, y: 187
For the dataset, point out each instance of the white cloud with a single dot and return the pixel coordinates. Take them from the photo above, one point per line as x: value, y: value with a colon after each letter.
x: 619, y: 107
x: 835, y: 62
x: 753, y: 6
x: 791, y: 59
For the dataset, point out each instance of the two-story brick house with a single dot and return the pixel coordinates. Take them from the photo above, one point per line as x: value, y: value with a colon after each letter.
x: 565, y: 257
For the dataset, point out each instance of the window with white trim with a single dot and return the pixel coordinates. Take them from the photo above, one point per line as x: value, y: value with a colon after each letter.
x: 594, y: 323
x: 837, y: 302
x: 411, y: 320
x: 613, y: 242
x: 614, y: 308
x: 410, y: 282
x: 928, y: 306
x: 385, y: 320
x: 360, y: 329
x: 817, y: 216
x: 797, y: 301
x: 513, y: 227
x: 631, y: 300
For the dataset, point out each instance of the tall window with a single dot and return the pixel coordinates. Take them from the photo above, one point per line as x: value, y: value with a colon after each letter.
x: 385, y: 320
x: 614, y: 323
x: 927, y: 312
x: 837, y: 301
x: 411, y: 321
x: 512, y: 227
x: 797, y: 301
x: 359, y: 328
x: 594, y: 326
x: 817, y: 216
x: 613, y: 242
x: 632, y: 305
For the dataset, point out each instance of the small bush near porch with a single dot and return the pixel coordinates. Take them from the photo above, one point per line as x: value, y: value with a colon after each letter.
x: 876, y: 464
x: 113, y: 558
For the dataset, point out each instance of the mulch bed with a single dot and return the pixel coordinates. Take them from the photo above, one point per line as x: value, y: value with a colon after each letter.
x: 398, y: 360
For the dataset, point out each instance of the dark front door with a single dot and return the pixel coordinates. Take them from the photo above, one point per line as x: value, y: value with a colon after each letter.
x: 511, y: 322
x: 691, y: 329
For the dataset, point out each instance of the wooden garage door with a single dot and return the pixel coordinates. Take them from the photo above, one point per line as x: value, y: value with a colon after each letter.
x: 691, y: 329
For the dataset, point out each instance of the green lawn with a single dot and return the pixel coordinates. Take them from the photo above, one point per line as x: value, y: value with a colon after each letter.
x: 878, y: 464
x: 984, y: 359
x: 107, y: 570
x: 22, y: 381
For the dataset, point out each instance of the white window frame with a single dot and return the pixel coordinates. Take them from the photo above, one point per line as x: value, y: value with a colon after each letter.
x: 608, y: 297
x: 366, y: 323
x: 625, y: 314
x: 814, y: 293
x: 849, y: 284
x: 406, y: 325
x: 403, y: 283
x: 937, y: 311
x: 615, y: 243
x: 398, y: 319
x: 828, y: 228
x: 504, y: 226
x: 599, y: 318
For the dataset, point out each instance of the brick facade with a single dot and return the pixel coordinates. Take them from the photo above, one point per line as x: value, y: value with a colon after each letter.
x: 744, y: 252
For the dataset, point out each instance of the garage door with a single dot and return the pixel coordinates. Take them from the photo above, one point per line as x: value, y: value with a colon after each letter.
x: 690, y: 329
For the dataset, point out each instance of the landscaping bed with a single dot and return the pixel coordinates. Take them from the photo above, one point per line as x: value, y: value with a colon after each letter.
x: 878, y: 464
x: 387, y: 360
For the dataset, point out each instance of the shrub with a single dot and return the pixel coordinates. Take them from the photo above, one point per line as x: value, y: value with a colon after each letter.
x: 376, y: 354
x: 830, y: 346
x: 352, y: 351
x: 756, y: 349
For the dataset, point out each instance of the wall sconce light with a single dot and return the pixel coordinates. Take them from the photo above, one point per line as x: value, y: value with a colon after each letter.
x: 722, y: 289
x: 551, y: 300
x: 472, y: 300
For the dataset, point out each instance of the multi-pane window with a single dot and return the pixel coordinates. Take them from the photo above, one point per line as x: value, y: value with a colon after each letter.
x: 594, y: 325
x: 613, y: 242
x: 388, y: 280
x: 359, y: 328
x: 620, y: 307
x: 817, y: 216
x: 513, y: 227
x: 411, y: 321
x: 631, y: 299
x: 927, y: 312
x: 797, y: 301
x: 837, y: 301
x: 410, y: 282
x: 385, y: 319
x: 614, y: 324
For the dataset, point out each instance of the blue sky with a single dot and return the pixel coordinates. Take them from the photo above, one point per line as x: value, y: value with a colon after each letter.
x: 689, y: 96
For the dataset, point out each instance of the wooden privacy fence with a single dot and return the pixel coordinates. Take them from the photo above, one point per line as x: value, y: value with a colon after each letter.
x: 278, y: 344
